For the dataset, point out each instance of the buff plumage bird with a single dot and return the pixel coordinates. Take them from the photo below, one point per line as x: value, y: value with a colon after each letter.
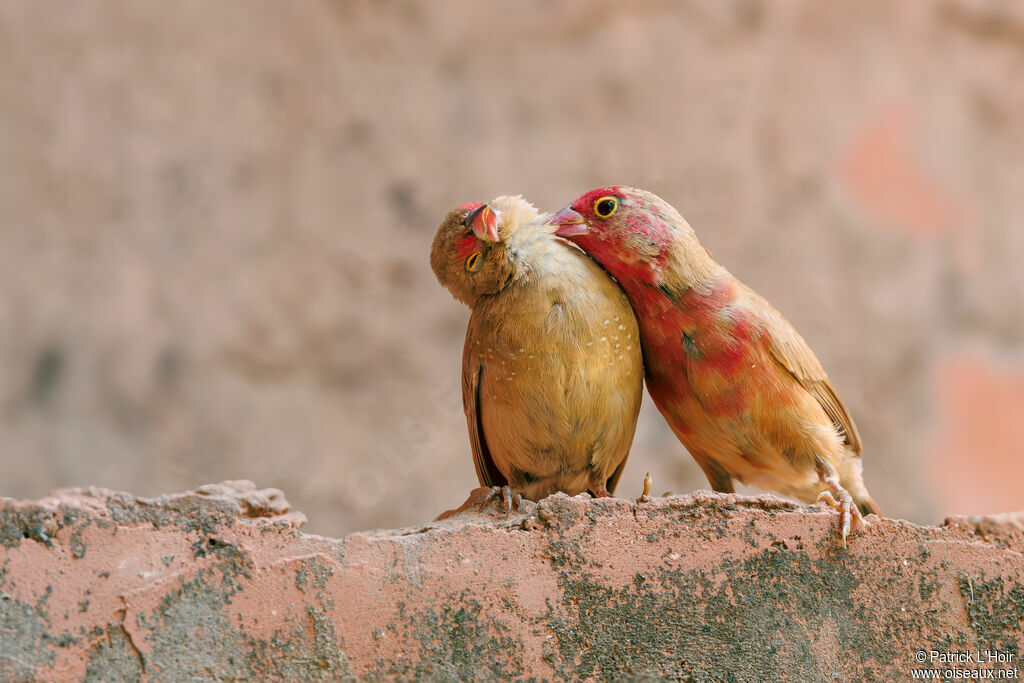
x: 552, y: 372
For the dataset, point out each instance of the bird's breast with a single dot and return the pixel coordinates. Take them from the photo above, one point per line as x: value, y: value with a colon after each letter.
x: 712, y: 369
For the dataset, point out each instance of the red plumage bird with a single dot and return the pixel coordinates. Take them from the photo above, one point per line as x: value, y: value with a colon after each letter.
x: 736, y: 382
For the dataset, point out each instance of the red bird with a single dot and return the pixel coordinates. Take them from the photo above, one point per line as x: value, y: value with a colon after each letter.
x: 736, y: 382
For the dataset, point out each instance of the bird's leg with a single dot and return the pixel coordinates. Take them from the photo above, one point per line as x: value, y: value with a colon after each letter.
x: 508, y: 498
x: 598, y: 485
x: 841, y: 500
x: 645, y: 497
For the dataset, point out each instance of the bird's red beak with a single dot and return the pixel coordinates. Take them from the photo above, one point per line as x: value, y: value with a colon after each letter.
x: 483, y: 221
x: 570, y: 223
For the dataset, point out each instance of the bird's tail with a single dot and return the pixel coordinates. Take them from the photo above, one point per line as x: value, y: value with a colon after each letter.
x: 866, y: 504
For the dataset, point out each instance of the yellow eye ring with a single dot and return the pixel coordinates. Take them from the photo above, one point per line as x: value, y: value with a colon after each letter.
x: 606, y: 206
x: 474, y: 262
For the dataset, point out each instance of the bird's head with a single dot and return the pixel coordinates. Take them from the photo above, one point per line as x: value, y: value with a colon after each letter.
x: 469, y: 255
x: 634, y: 234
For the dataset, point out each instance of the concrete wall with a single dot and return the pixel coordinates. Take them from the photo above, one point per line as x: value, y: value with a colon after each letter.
x: 220, y: 583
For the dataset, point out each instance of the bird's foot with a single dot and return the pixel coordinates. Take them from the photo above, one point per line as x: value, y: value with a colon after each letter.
x: 508, y: 499
x: 836, y: 496
x: 645, y: 497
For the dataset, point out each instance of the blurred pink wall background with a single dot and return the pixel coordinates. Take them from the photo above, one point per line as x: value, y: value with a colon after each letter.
x: 217, y: 216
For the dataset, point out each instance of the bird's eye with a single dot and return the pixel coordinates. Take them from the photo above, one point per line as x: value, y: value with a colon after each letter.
x: 606, y: 206
x: 474, y: 262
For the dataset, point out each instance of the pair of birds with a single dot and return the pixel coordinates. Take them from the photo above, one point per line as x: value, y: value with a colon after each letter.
x: 557, y: 350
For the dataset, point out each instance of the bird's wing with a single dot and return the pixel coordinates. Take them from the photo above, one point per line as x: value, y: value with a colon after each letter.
x: 792, y: 352
x: 613, y: 480
x: 487, y: 472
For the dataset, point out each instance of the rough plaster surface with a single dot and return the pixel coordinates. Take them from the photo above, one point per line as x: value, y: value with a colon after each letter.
x: 220, y: 583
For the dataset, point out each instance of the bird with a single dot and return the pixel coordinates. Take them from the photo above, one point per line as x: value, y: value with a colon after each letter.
x: 552, y: 372
x: 735, y: 381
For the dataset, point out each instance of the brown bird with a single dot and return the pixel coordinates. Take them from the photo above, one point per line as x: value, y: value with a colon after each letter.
x: 552, y: 374
x: 735, y: 381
